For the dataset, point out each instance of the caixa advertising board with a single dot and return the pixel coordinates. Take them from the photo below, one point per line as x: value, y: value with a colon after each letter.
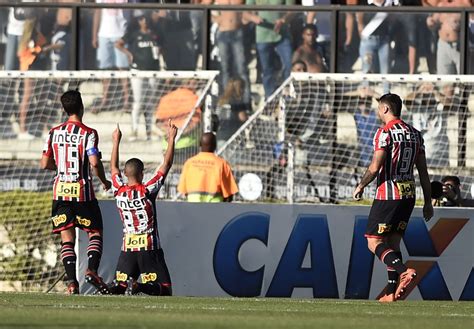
x: 251, y: 250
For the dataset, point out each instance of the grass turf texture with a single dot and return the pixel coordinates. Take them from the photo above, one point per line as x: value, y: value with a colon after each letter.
x: 36, y: 310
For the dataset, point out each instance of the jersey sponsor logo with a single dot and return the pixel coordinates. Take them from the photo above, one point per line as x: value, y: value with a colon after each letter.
x: 83, y: 221
x: 148, y: 277
x: 384, y: 228
x: 127, y: 204
x: 59, y: 219
x: 121, y: 276
x: 406, y: 188
x: 133, y: 241
x: 402, y: 135
x: 71, y: 190
x: 63, y: 137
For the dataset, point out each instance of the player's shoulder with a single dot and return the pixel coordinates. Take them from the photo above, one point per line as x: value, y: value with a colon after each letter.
x: 58, y: 127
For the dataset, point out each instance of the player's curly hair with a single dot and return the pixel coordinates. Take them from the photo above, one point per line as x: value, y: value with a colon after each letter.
x: 72, y: 102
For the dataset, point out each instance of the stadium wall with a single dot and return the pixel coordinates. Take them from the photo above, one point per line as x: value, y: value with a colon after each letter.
x: 297, y: 251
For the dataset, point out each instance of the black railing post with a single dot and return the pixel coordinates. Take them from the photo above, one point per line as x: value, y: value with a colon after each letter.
x: 74, y: 52
x: 205, y: 35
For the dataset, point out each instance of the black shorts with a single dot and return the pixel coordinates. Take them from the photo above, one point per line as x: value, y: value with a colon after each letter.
x: 388, y: 216
x: 84, y: 215
x: 149, y: 265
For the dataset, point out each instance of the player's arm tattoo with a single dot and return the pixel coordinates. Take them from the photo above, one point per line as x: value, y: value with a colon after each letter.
x: 368, y: 177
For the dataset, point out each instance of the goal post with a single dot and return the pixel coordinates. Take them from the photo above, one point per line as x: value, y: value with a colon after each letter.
x: 141, y: 102
x: 329, y: 121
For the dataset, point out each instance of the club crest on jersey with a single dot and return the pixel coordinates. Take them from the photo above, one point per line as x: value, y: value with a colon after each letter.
x: 384, y: 228
x: 83, y: 221
x: 148, y: 277
x: 121, y: 276
x: 68, y: 189
x: 59, y: 219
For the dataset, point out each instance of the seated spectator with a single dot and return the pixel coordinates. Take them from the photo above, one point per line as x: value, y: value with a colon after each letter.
x: 309, y: 52
x: 142, y: 54
x: 450, y: 194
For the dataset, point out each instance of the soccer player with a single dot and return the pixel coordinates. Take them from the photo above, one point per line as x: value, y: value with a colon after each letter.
x: 398, y: 147
x: 71, y: 150
x: 141, y: 253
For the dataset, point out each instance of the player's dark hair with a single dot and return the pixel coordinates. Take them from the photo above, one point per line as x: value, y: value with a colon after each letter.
x: 133, y: 167
x: 393, y: 101
x: 72, y: 102
x: 454, y: 179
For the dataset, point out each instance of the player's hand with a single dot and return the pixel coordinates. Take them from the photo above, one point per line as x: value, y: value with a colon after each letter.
x: 428, y: 211
x: 172, y: 130
x: 117, y: 135
x: 107, y: 185
x: 358, y: 192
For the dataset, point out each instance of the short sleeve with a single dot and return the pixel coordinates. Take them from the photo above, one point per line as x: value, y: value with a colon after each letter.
x: 48, y: 145
x: 228, y: 185
x: 155, y: 183
x: 92, y: 142
x: 381, y: 140
x: 117, y: 182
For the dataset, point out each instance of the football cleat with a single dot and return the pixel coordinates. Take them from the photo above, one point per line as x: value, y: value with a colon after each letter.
x: 73, y: 288
x: 95, y: 280
x: 406, y: 279
x: 387, y: 298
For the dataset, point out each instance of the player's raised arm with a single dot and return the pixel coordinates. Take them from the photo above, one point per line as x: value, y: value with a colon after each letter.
x: 114, y: 160
x: 169, y: 155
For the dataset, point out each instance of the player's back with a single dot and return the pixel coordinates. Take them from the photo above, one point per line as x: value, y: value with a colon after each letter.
x: 136, y: 204
x: 402, y: 144
x: 70, y: 144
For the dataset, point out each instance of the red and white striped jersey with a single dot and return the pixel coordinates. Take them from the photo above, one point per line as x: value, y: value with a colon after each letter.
x: 136, y: 204
x: 71, y: 144
x: 402, y: 144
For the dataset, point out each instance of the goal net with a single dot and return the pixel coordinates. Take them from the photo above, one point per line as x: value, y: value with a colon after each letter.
x: 312, y: 139
x: 140, y: 102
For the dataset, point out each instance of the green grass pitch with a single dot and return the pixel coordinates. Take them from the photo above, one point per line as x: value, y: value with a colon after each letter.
x: 35, y: 310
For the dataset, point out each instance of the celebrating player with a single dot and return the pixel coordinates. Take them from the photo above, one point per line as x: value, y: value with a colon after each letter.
x: 71, y: 150
x: 397, y: 148
x: 141, y: 253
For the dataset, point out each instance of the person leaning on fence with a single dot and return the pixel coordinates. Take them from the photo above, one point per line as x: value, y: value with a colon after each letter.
x: 206, y: 177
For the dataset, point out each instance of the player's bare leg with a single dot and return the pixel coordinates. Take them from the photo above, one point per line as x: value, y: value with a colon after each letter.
x: 68, y: 257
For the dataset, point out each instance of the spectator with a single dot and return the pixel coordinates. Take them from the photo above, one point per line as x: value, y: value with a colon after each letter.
x: 61, y: 39
x: 299, y: 66
x: 109, y: 25
x: 367, y: 123
x: 233, y: 110
x: 16, y: 22
x: 309, y: 52
x: 207, y: 177
x: 272, y: 35
x: 450, y: 193
x: 230, y: 41
x: 179, y: 48
x: 429, y: 114
x: 374, y: 46
x: 142, y: 54
x: 448, y: 26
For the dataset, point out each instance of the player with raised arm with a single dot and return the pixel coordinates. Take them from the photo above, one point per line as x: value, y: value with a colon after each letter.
x: 71, y: 150
x: 141, y: 255
x: 398, y: 147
